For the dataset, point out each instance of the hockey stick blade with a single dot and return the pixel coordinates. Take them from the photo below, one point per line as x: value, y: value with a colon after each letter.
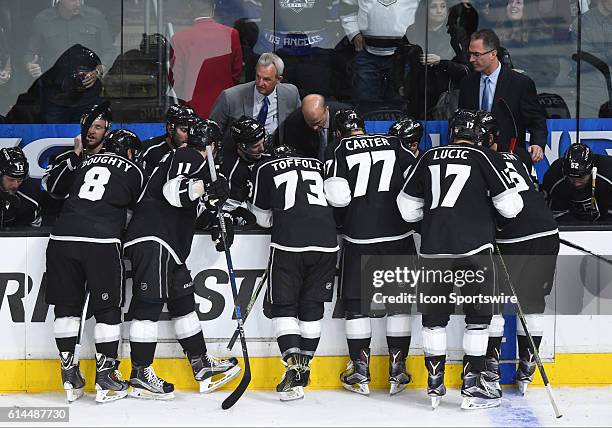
x: 246, y: 377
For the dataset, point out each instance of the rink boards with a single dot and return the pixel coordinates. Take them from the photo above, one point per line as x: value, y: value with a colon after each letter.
x: 572, y: 343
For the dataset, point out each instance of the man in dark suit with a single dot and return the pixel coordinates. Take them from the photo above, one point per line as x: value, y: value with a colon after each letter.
x: 309, y: 130
x: 509, y: 95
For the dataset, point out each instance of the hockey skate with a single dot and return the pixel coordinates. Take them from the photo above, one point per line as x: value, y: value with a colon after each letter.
x: 291, y: 386
x: 435, y: 381
x: 524, y: 373
x: 110, y: 386
x: 478, y: 393
x: 145, y: 384
x: 492, y: 373
x: 205, y: 367
x: 72, y: 379
x: 398, y: 376
x: 303, y: 362
x: 356, y: 377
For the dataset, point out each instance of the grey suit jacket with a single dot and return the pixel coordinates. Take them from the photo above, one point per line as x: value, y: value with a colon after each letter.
x: 238, y: 100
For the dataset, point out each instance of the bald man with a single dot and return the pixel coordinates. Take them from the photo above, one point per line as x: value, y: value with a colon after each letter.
x: 309, y: 129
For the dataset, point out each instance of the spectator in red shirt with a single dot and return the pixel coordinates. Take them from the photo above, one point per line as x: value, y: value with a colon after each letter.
x: 205, y: 59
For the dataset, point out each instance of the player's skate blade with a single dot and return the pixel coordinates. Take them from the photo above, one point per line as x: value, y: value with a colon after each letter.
x: 476, y: 403
x: 359, y: 388
x: 148, y: 395
x: 435, y: 401
x: 72, y: 394
x: 211, y: 384
x: 396, y: 388
x: 106, y: 395
x: 522, y: 386
x: 145, y: 384
x: 294, y: 393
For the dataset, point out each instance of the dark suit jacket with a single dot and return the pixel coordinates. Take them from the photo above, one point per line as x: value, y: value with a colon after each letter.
x: 297, y: 134
x: 519, y: 92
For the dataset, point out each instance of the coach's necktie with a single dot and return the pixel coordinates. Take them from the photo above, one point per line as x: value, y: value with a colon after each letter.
x: 486, y: 96
x: 263, y: 113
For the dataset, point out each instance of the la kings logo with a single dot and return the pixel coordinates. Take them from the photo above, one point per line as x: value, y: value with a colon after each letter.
x: 297, y: 5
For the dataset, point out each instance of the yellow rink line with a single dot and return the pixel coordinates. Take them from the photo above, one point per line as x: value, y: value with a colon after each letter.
x: 44, y: 375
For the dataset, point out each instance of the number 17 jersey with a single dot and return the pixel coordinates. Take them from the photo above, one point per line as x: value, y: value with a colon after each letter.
x: 105, y: 186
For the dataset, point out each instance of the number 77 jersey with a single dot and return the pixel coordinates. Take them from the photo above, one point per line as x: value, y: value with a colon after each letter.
x: 365, y: 175
x: 455, y: 190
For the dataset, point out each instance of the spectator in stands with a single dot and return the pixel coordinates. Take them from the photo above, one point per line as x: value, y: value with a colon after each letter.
x: 596, y: 40
x: 446, y: 61
x: 5, y: 60
x: 205, y: 59
x: 462, y: 20
x: 54, y: 32
x: 304, y: 35
x: 310, y: 129
x: 529, y: 40
x: 266, y: 99
x: 375, y: 28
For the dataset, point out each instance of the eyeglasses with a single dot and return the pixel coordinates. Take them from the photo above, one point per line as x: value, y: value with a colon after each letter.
x: 479, y: 54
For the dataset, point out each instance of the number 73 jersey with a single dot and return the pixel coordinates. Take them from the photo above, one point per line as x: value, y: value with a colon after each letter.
x: 287, y: 195
x: 455, y: 190
x: 104, y: 187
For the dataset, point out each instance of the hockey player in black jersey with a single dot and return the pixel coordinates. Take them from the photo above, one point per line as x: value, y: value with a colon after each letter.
x: 529, y: 246
x: 410, y: 132
x: 158, y: 242
x: 454, y: 191
x: 84, y: 256
x: 579, y: 185
x: 19, y: 196
x: 288, y: 197
x: 363, y: 179
x: 248, y: 137
x: 178, y: 118
x: 60, y: 173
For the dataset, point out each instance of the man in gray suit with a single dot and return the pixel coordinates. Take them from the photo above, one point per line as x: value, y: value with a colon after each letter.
x: 266, y: 99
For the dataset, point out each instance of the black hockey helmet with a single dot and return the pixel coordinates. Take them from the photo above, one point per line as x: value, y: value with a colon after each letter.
x: 462, y: 126
x: 284, y: 151
x: 246, y: 131
x: 486, y: 128
x: 180, y: 115
x: 408, y: 130
x: 346, y: 121
x: 100, y: 111
x: 14, y: 163
x: 202, y: 133
x: 578, y: 161
x: 120, y: 141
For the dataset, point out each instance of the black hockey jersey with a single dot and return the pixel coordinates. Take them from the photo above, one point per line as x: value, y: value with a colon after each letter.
x: 23, y: 208
x: 105, y: 186
x: 238, y: 172
x: 365, y: 175
x: 59, y: 175
x: 535, y: 219
x: 563, y: 198
x: 288, y: 196
x: 153, y: 151
x: 167, y: 212
x: 455, y: 191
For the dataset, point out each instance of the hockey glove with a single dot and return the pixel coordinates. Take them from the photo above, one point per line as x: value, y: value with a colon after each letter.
x: 217, y: 192
x: 243, y: 217
x: 215, y: 233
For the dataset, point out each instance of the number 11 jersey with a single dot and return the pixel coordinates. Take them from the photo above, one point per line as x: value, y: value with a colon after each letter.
x: 104, y: 187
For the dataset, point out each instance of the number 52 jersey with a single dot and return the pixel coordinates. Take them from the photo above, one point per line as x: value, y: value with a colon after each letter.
x: 104, y: 187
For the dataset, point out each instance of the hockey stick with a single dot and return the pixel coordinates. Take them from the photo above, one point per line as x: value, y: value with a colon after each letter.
x: 584, y: 250
x: 536, y: 354
x: 514, y: 138
x: 77, y: 347
x: 246, y: 377
x: 593, y: 182
x: 254, y: 297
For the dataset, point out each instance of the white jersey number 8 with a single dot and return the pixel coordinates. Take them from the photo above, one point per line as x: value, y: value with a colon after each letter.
x: 95, y: 181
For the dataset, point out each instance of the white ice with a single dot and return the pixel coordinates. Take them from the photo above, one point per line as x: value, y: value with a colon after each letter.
x: 581, y: 406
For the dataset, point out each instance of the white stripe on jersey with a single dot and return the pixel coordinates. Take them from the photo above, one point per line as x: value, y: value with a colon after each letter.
x: 159, y: 241
x: 309, y: 248
x: 377, y: 240
x: 527, y: 238
x: 84, y: 239
x: 457, y: 256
